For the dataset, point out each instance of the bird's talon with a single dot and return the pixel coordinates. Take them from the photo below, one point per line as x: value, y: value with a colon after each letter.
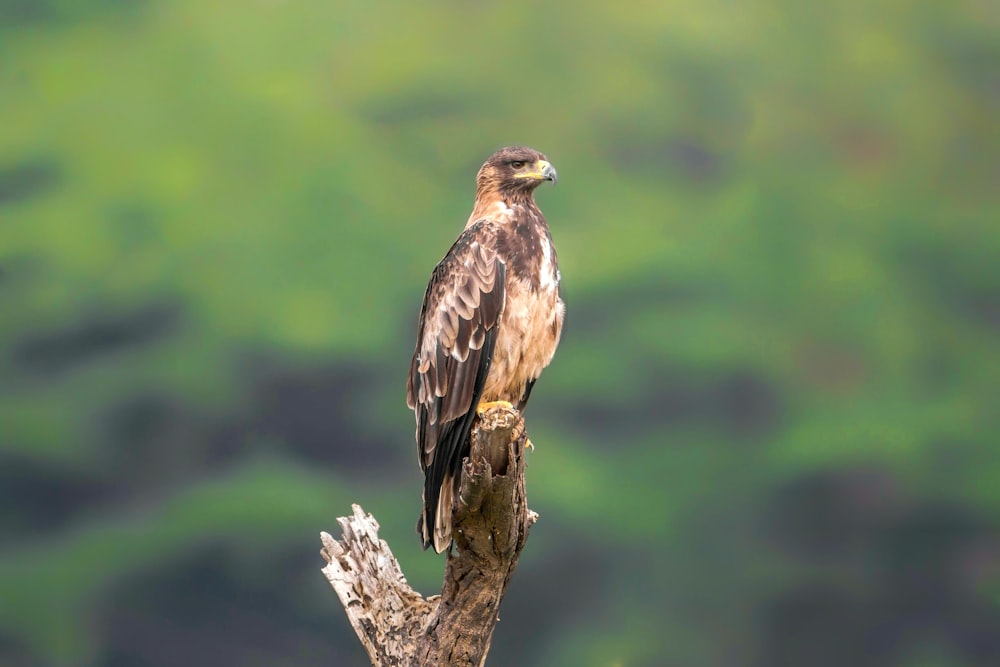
x: 483, y: 407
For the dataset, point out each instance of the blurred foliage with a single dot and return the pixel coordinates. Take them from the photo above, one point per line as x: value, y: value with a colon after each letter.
x: 769, y: 437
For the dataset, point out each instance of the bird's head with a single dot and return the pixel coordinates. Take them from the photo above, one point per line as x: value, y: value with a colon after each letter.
x: 515, y: 170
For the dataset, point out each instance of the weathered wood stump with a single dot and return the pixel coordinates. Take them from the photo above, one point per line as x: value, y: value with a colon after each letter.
x: 398, y: 626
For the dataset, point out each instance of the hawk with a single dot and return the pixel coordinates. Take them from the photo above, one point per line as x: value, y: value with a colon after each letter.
x: 490, y: 322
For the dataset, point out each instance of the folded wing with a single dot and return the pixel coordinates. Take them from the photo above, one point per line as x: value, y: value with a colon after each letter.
x: 455, y: 342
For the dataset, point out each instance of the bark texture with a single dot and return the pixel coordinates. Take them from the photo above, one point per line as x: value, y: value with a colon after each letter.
x: 396, y: 625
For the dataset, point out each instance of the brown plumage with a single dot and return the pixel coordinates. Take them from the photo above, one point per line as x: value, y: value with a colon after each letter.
x: 490, y: 322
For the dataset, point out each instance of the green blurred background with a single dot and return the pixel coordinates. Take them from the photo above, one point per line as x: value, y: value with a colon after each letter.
x: 769, y: 438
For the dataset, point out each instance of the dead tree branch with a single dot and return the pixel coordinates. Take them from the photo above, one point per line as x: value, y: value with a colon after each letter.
x: 396, y: 625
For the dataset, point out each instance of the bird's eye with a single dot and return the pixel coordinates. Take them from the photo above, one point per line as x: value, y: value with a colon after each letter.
x: 517, y: 164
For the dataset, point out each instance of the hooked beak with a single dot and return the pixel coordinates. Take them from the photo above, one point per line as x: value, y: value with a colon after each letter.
x: 548, y: 172
x: 544, y: 171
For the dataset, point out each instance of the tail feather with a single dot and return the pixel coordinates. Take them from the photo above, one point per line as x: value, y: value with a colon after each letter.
x: 434, y: 523
x: 442, y: 522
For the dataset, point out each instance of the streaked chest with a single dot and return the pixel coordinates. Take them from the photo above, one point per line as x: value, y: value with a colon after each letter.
x: 532, y: 319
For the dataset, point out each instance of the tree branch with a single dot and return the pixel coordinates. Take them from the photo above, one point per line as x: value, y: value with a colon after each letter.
x: 396, y: 625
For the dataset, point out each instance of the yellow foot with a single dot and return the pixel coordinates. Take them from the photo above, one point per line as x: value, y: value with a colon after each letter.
x: 483, y: 407
x: 529, y: 444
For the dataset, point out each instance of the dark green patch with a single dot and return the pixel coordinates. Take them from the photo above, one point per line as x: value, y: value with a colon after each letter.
x: 27, y: 180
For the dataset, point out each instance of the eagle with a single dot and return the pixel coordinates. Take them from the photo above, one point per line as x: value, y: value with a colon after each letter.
x: 490, y: 322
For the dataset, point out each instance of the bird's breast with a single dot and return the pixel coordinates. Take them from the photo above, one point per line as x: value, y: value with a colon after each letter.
x: 529, y: 333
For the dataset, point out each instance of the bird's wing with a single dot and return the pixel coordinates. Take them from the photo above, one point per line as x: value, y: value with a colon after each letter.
x: 456, y: 337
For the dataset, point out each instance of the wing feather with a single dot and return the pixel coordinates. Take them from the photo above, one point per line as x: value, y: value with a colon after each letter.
x: 457, y: 331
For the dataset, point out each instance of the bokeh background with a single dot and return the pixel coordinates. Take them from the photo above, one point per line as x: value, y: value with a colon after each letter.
x: 770, y: 436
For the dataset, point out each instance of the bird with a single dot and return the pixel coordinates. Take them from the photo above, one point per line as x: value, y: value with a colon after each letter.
x: 490, y: 322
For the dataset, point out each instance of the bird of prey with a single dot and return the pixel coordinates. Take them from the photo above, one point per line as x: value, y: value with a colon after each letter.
x: 490, y: 322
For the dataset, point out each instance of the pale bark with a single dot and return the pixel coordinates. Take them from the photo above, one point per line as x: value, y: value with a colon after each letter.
x: 399, y: 627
